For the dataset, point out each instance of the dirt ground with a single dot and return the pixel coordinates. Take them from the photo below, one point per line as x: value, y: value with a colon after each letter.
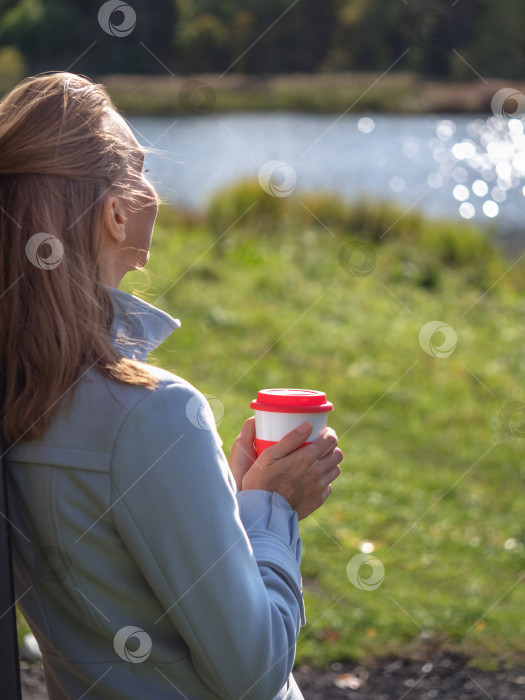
x: 445, y: 677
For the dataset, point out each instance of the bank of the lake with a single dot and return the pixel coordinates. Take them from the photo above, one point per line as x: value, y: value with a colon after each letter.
x: 396, y: 92
x: 417, y: 339
x: 291, y: 294
x: 449, y: 166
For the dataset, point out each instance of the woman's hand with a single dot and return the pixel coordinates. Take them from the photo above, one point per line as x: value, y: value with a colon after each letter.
x: 243, y: 453
x: 303, y: 475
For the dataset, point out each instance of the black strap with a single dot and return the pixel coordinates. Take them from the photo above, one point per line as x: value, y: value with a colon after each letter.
x: 9, y: 664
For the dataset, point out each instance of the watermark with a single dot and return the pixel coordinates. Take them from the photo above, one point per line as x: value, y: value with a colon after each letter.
x: 36, y: 248
x: 110, y: 24
x: 512, y: 418
x: 376, y: 573
x: 438, y: 339
x: 508, y: 103
x: 430, y: 26
x: 277, y: 178
x: 202, y: 415
x: 357, y: 258
x: 121, y: 639
x: 197, y: 98
x: 52, y: 564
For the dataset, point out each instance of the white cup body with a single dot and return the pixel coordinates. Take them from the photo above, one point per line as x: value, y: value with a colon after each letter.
x: 271, y: 426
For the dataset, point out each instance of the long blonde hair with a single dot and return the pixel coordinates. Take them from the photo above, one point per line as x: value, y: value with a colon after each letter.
x: 58, y: 162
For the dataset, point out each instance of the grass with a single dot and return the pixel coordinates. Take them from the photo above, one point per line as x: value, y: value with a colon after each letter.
x: 433, y: 473
x: 397, y: 92
x: 431, y: 476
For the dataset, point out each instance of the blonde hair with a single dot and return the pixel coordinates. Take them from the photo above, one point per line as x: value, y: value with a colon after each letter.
x: 59, y: 160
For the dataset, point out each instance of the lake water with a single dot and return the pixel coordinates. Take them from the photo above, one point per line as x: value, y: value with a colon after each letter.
x: 470, y: 167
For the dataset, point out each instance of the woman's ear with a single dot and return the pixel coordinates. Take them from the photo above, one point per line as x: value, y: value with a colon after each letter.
x: 114, y: 218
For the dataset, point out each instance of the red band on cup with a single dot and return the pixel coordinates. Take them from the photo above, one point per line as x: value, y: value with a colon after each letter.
x: 261, y: 445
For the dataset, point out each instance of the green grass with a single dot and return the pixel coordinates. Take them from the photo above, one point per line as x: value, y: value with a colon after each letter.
x: 143, y: 96
x: 398, y: 92
x: 430, y: 476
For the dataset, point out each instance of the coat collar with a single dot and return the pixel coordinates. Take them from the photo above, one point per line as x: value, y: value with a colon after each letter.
x: 138, y: 327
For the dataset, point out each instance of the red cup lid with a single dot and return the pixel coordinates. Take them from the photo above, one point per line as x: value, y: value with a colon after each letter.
x: 291, y: 401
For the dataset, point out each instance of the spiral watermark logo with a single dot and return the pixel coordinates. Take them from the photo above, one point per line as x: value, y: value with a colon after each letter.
x: 197, y: 98
x: 36, y: 248
x: 202, y: 415
x: 512, y: 418
x: 109, y: 20
x: 357, y: 258
x: 359, y: 578
x: 438, y: 339
x: 277, y: 178
x: 508, y: 103
x: 430, y: 26
x: 52, y: 564
x: 120, y: 643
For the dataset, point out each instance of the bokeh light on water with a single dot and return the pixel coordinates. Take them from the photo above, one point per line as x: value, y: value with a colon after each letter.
x: 366, y: 125
x: 488, y: 163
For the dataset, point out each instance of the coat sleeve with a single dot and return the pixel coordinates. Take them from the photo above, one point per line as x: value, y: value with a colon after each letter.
x: 224, y: 564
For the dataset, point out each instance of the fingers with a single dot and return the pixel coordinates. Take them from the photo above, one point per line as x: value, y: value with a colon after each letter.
x: 308, y: 454
x: 324, y: 445
x: 332, y: 474
x: 328, y: 466
x: 326, y: 492
x: 248, y: 430
x: 242, y: 454
x: 289, y: 443
x: 245, y: 439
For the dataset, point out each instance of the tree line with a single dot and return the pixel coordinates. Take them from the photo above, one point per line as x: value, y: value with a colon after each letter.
x: 436, y: 38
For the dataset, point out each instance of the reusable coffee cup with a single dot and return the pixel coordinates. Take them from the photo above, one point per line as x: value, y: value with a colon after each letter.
x: 278, y: 411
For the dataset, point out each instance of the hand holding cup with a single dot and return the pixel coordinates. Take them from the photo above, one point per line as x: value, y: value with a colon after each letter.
x: 273, y: 451
x: 303, y: 474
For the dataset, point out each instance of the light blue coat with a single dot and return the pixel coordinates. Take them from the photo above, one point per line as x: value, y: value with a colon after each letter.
x: 142, y: 571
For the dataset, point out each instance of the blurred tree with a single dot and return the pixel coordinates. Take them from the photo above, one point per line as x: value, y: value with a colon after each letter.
x: 298, y: 40
x: 272, y: 37
x: 436, y: 28
x: 275, y: 36
x: 54, y: 34
x: 203, y: 43
x: 12, y: 68
x: 243, y: 27
x: 369, y: 35
x: 495, y: 45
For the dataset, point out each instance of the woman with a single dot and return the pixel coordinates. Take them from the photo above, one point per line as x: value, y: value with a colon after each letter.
x: 145, y: 564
